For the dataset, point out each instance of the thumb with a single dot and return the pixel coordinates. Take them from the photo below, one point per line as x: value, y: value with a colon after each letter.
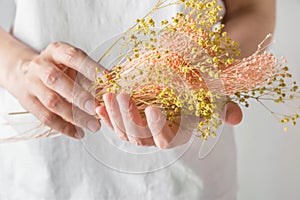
x: 234, y: 114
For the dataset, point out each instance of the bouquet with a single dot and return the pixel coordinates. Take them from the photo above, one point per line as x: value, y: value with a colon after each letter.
x: 189, y: 67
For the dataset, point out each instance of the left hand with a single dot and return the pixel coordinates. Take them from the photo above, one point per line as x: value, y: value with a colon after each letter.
x: 121, y: 115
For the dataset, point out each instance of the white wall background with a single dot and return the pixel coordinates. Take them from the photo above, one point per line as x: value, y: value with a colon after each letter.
x: 269, y: 159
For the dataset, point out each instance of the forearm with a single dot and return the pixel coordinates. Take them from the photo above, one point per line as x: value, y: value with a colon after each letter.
x: 249, y: 24
x: 12, y: 54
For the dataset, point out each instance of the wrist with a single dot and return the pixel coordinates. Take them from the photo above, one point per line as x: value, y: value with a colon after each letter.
x: 12, y: 54
x: 13, y: 62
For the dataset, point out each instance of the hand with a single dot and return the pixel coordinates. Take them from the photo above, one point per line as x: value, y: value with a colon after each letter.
x: 44, y: 85
x: 121, y: 115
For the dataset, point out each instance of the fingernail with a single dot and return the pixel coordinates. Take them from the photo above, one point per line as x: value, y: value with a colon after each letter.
x: 111, y: 101
x: 124, y: 101
x: 98, y: 111
x: 90, y: 106
x: 93, y: 125
x: 79, y: 134
x: 153, y: 116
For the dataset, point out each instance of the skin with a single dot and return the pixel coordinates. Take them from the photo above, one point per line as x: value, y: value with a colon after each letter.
x: 41, y: 81
x: 248, y: 22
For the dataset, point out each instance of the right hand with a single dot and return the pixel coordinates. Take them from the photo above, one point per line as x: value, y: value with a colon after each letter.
x: 121, y: 114
x: 44, y: 85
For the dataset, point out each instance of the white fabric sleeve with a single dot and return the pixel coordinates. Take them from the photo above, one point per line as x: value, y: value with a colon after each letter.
x: 7, y: 14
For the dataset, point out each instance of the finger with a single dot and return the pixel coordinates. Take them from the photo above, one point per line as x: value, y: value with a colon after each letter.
x: 114, y: 114
x: 102, y: 113
x: 136, y: 128
x: 59, y: 82
x: 85, y: 83
x: 70, y: 72
x: 55, y: 103
x: 134, y: 124
x: 77, y: 77
x: 160, y: 128
x: 86, y: 121
x: 63, y: 53
x: 52, y: 120
x: 234, y: 114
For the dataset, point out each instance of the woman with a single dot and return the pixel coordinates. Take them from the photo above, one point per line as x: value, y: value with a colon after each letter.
x: 39, y: 72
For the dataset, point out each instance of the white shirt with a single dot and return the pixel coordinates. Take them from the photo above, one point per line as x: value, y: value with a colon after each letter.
x: 61, y: 168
